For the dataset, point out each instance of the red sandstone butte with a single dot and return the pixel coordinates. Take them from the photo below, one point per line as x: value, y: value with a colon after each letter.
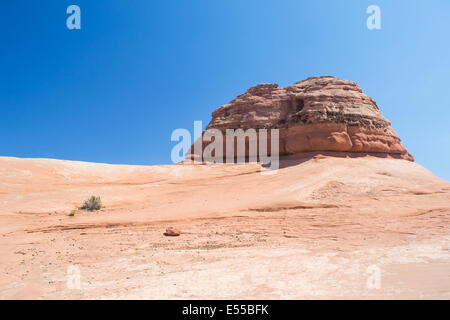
x: 315, y: 114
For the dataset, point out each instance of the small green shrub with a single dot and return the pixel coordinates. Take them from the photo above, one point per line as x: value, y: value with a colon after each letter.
x: 72, y: 213
x: 93, y: 203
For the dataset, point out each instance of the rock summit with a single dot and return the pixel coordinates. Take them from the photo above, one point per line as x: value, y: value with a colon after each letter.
x: 318, y: 114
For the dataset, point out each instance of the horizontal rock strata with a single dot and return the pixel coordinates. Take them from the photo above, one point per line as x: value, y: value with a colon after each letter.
x: 316, y: 114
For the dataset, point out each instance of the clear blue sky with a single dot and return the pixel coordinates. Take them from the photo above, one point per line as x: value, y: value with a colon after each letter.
x: 115, y: 90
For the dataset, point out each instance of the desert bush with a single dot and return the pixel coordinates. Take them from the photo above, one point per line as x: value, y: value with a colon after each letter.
x: 72, y: 213
x: 93, y: 203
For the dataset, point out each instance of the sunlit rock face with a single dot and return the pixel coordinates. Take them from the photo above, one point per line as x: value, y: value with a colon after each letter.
x: 315, y: 114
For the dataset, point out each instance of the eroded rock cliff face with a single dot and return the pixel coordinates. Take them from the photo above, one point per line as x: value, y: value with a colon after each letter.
x: 315, y: 114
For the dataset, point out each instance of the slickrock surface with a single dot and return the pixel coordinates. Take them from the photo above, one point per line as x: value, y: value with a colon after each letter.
x: 316, y: 114
x: 320, y: 227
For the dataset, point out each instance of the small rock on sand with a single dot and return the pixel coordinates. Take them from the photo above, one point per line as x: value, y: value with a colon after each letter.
x: 171, y: 232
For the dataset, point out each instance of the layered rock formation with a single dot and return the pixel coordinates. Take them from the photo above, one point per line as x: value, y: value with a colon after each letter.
x: 316, y: 114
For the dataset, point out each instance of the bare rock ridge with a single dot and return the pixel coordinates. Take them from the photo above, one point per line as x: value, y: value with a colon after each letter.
x: 315, y: 114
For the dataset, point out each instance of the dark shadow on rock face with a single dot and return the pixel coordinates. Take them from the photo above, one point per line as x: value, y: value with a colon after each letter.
x: 299, y: 158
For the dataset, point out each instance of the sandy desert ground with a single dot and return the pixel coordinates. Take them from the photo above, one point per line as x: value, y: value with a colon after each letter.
x: 320, y: 227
